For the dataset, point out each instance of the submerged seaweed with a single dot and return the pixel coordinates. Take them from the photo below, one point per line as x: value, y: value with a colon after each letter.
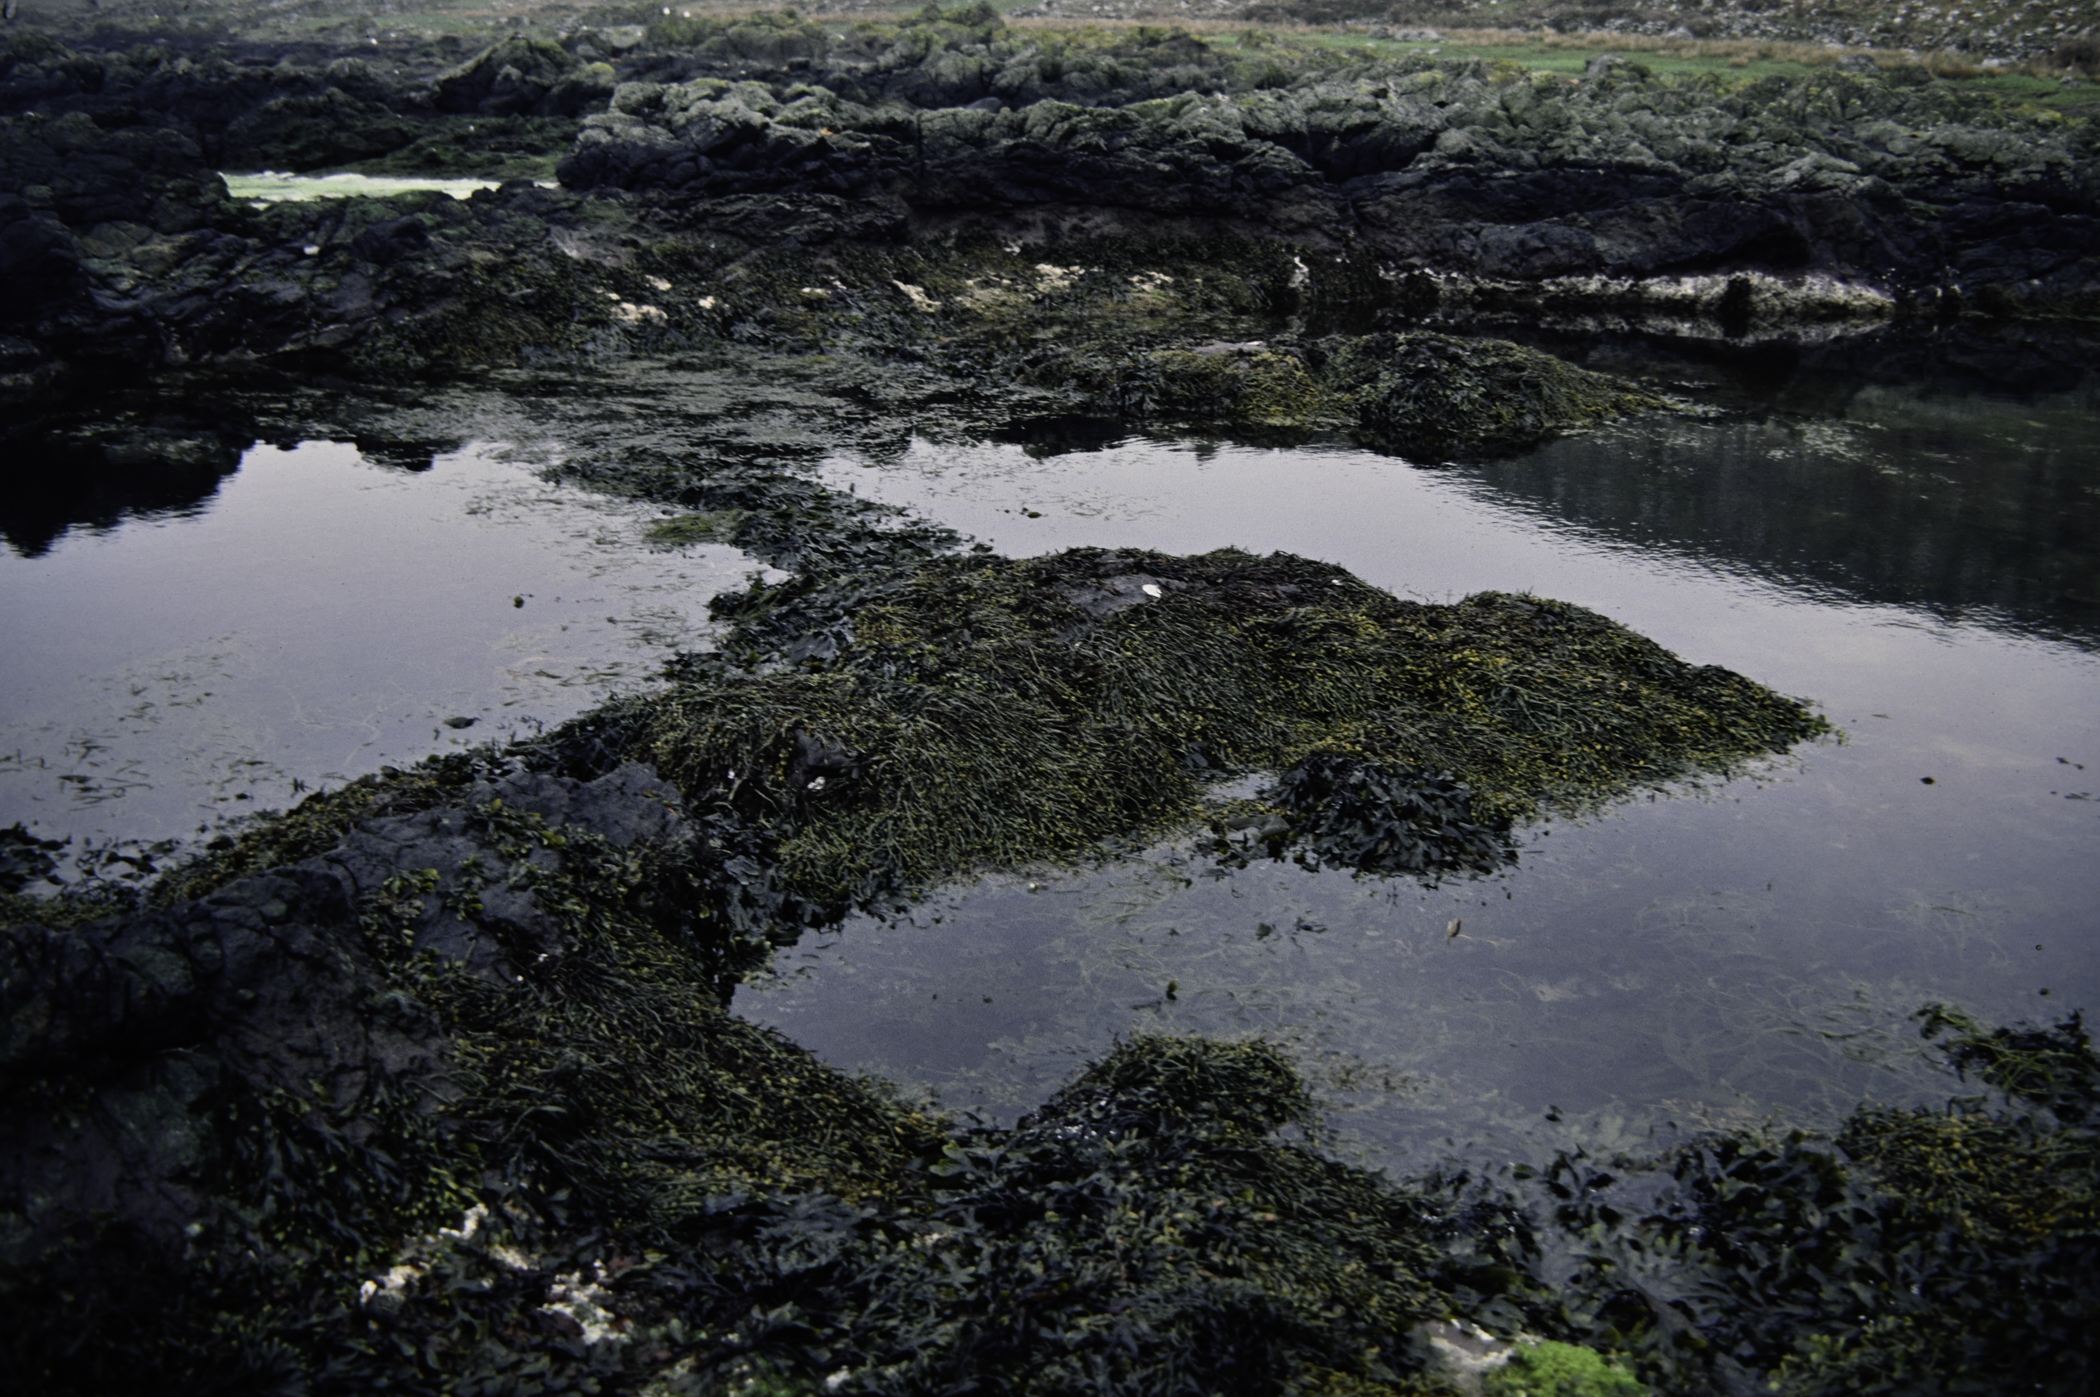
x: 1920, y: 1250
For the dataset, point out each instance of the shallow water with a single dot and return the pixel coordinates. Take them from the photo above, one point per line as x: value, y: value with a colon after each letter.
x: 311, y: 617
x: 1746, y: 950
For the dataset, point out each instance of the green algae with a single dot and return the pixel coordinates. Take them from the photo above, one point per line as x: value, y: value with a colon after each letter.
x: 1549, y: 1369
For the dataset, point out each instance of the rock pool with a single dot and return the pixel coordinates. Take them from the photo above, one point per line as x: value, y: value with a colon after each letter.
x: 1917, y: 562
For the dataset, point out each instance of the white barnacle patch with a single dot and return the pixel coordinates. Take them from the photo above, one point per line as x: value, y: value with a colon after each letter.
x: 581, y: 1300
x: 469, y: 1224
x: 629, y: 313
x: 658, y: 282
x: 1051, y: 277
x: 388, y: 1292
x: 917, y: 296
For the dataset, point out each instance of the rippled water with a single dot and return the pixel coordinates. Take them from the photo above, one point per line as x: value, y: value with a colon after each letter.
x: 1922, y: 571
x: 307, y: 618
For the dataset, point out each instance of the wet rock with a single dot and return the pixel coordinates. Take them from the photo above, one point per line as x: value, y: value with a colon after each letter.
x: 391, y: 241
x: 153, y: 1023
x: 147, y: 1019
x: 83, y: 175
x: 471, y: 904
x: 1103, y: 599
x: 521, y: 75
x: 307, y: 133
x: 1440, y: 168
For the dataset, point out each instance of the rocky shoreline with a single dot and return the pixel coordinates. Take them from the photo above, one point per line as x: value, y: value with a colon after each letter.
x: 1406, y: 188
x: 430, y: 1084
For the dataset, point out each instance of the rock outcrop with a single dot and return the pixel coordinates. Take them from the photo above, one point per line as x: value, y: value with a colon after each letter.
x: 1890, y: 180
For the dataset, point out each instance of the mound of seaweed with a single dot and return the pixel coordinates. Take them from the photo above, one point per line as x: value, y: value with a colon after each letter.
x: 222, y: 1117
x: 892, y: 728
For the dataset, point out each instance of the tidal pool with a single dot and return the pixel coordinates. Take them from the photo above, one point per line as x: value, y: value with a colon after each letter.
x: 308, y: 618
x: 1746, y: 950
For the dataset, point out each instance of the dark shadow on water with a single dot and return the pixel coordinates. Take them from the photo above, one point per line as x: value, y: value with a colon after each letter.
x: 70, y: 474
x: 98, y: 462
x: 1955, y: 471
x: 1063, y: 434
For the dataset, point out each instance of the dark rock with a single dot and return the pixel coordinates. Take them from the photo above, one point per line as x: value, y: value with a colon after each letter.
x: 521, y: 75
x: 1442, y: 169
x: 263, y: 981
x: 306, y: 133
x: 148, y: 1025
x: 84, y: 175
x: 395, y: 240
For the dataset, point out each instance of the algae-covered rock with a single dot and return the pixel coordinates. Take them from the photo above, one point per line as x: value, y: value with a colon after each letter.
x: 978, y: 711
x: 1550, y: 1369
x: 519, y: 74
x: 1433, y: 393
x: 1919, y: 1249
x: 1416, y: 393
x: 516, y: 992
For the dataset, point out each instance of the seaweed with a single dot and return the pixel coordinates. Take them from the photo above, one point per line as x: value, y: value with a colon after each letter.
x: 1919, y: 1250
x: 891, y: 728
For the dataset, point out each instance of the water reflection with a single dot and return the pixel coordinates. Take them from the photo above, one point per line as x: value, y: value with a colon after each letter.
x: 60, y: 477
x: 311, y: 616
x: 1913, y: 564
x: 1970, y: 510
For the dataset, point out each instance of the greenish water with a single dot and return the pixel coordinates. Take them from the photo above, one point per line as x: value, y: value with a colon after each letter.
x: 269, y: 187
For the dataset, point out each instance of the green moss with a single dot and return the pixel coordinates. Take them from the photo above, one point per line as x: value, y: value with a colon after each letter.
x: 1549, y: 1369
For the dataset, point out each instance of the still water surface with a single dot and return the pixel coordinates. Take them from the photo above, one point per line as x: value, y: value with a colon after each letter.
x: 312, y: 617
x: 1730, y: 953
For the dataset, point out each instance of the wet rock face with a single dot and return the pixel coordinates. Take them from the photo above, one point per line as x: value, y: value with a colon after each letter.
x: 141, y: 1025
x: 72, y: 170
x: 467, y: 905
x: 307, y: 133
x: 132, y: 1045
x: 521, y: 75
